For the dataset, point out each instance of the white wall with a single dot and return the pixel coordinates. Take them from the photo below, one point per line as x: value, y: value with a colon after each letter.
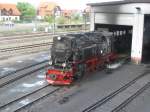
x: 9, y: 18
x: 124, y: 8
x: 124, y: 15
x: 137, y: 38
x: 112, y: 18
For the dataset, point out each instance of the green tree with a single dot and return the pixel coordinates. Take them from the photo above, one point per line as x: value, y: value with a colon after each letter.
x: 76, y: 18
x: 61, y: 20
x: 28, y: 12
x: 49, y: 19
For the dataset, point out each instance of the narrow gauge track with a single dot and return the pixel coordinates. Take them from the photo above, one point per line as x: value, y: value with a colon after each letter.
x: 127, y: 101
x: 97, y: 106
x: 25, y: 47
x: 24, y: 40
x: 16, y: 34
x: 33, y: 35
x: 26, y: 67
x: 13, y: 76
x: 23, y: 36
x: 31, y: 98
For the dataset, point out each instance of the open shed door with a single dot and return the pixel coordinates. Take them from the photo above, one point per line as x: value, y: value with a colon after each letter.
x: 122, y: 35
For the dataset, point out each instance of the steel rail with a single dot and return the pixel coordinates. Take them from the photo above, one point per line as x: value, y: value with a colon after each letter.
x: 41, y: 93
x: 41, y: 96
x: 127, y: 101
x: 25, y: 47
x: 20, y: 36
x: 26, y: 67
x: 9, y: 78
x: 113, y: 94
x: 24, y: 36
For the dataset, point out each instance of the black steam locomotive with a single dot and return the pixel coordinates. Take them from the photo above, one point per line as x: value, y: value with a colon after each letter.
x: 72, y: 55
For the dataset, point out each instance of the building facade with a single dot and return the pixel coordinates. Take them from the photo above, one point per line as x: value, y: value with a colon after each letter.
x: 48, y: 9
x: 9, y: 12
x: 125, y: 18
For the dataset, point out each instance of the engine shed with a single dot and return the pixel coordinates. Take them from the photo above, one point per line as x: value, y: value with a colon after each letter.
x: 129, y: 20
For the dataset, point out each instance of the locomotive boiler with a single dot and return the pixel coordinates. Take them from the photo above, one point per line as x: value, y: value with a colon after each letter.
x: 73, y: 55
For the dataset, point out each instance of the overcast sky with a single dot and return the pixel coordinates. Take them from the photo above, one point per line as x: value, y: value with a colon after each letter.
x: 68, y: 4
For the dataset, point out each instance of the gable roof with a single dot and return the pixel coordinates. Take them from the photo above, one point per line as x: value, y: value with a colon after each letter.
x: 68, y: 13
x: 46, y: 8
x: 7, y: 7
x: 48, y: 5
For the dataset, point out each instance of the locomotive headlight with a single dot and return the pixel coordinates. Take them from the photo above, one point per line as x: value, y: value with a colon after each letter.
x: 50, y: 63
x: 64, y: 64
x: 58, y: 38
x: 50, y: 56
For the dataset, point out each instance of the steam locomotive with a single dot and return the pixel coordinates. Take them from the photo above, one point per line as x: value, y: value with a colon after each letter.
x: 73, y: 55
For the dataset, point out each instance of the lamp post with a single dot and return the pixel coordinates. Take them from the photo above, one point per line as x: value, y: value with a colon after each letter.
x: 0, y: 15
x: 84, y: 15
x: 35, y: 22
x: 54, y: 22
x: 54, y: 18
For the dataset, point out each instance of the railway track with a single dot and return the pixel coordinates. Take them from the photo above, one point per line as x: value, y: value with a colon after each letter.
x: 23, y: 52
x: 29, y: 99
x: 21, y: 33
x: 13, y: 76
x: 15, y: 44
x: 22, y: 46
x: 18, y: 102
x: 5, y: 53
x: 25, y: 40
x: 26, y: 36
x: 36, y: 94
x: 25, y: 47
x: 121, y: 97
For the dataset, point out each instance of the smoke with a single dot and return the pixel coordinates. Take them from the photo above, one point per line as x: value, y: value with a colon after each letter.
x: 116, y: 64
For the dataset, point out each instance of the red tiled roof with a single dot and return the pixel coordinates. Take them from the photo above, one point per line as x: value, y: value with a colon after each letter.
x: 68, y: 13
x: 46, y: 8
x: 15, y: 11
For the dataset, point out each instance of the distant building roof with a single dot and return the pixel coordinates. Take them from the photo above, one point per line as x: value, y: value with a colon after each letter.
x: 119, y: 2
x: 8, y: 7
x: 87, y: 9
x: 68, y: 13
x: 46, y: 8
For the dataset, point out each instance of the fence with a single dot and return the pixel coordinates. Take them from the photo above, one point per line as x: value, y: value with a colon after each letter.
x: 16, y: 28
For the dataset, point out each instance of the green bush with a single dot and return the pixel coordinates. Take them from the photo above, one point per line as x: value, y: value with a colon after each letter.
x: 61, y: 20
x: 49, y: 19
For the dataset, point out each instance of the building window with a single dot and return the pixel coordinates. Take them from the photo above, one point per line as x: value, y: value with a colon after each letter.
x: 16, y: 18
x: 4, y: 12
x: 10, y: 12
x: 3, y: 19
